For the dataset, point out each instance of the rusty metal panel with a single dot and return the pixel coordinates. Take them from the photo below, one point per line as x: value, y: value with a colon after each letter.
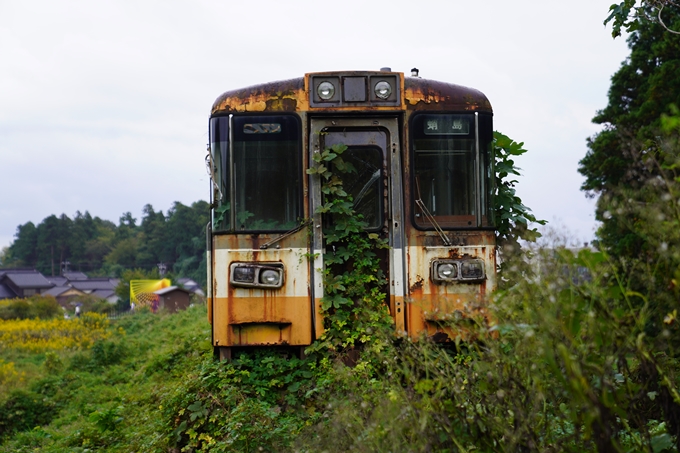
x: 422, y: 94
x: 429, y: 303
x: 258, y: 316
x: 283, y: 96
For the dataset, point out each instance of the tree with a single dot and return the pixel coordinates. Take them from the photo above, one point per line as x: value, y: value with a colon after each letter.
x: 629, y: 16
x: 22, y: 252
x: 647, y: 83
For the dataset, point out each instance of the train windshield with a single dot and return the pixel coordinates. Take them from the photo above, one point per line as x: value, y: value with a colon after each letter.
x: 452, y: 182
x: 261, y: 174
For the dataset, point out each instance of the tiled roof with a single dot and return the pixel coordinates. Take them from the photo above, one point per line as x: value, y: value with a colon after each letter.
x: 56, y: 291
x: 93, y: 284
x: 28, y: 280
x: 17, y: 270
x: 75, y: 276
x: 170, y: 289
x: 6, y: 293
x: 103, y: 293
x: 59, y: 281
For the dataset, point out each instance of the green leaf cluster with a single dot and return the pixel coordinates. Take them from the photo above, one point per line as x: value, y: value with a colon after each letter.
x: 513, y: 218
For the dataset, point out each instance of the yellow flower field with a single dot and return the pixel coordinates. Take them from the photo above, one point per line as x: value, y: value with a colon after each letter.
x: 38, y: 335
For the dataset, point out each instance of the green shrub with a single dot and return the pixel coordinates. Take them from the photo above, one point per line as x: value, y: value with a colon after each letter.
x: 24, y: 411
x: 43, y: 307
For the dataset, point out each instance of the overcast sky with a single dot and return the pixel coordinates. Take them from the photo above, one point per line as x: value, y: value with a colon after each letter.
x: 104, y: 105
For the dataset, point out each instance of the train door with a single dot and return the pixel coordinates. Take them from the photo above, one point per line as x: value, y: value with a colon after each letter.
x: 376, y: 187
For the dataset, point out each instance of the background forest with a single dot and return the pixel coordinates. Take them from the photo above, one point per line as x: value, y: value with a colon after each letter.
x: 102, y: 248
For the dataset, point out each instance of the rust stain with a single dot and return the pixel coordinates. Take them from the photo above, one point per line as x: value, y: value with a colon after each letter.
x: 417, y: 286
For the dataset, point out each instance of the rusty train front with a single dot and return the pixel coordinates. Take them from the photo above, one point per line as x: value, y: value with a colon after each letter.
x: 424, y: 182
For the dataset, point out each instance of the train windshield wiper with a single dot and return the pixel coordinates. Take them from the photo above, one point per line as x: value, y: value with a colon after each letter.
x: 430, y: 218
x: 266, y: 245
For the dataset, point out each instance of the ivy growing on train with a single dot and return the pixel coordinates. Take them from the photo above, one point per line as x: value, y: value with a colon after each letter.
x: 354, y: 302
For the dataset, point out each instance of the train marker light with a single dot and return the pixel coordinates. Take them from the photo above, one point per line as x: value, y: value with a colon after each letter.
x: 325, y: 90
x: 383, y: 89
x: 256, y: 275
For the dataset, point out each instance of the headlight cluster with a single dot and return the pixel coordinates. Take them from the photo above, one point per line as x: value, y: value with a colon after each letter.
x: 255, y: 275
x: 354, y: 89
x: 461, y: 270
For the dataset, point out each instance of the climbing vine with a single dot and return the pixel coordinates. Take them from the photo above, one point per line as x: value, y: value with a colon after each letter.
x: 353, y: 305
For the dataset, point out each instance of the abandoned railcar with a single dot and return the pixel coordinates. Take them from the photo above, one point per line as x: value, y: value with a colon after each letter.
x: 424, y: 182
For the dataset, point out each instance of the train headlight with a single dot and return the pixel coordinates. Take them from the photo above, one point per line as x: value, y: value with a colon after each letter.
x: 382, y: 89
x: 444, y: 271
x: 242, y: 274
x: 457, y: 270
x: 472, y: 270
x: 256, y: 275
x: 270, y: 277
x: 325, y: 90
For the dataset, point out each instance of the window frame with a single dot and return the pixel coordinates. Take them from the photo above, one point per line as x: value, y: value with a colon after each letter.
x: 483, y: 215
x: 229, y: 192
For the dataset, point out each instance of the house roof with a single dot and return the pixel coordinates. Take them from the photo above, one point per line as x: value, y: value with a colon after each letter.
x: 93, y: 284
x: 17, y: 270
x: 170, y: 289
x: 6, y: 293
x: 75, y: 276
x: 28, y: 280
x: 103, y: 293
x: 59, y: 281
x: 62, y: 290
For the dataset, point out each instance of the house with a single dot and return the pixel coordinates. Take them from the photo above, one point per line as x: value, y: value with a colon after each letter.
x: 25, y: 282
x: 64, y: 294
x: 102, y: 288
x: 22, y: 283
x: 173, y: 298
x: 191, y: 286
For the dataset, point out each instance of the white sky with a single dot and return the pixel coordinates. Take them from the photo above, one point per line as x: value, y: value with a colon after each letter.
x: 104, y: 105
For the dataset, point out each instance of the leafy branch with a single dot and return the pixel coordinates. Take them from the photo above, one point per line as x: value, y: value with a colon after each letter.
x: 512, y: 217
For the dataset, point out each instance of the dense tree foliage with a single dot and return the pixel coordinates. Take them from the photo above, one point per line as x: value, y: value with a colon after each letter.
x: 629, y: 14
x: 99, y: 247
x: 643, y: 89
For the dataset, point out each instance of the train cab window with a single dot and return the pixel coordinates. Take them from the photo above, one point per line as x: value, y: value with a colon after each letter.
x: 451, y: 183
x: 263, y: 182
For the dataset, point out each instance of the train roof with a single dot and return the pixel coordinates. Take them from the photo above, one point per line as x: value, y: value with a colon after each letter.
x: 291, y: 96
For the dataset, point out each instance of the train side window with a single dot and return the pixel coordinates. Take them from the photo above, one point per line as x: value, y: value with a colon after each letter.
x: 219, y: 173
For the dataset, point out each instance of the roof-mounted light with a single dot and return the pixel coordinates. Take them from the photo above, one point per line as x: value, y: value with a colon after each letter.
x: 325, y: 90
x: 383, y: 89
